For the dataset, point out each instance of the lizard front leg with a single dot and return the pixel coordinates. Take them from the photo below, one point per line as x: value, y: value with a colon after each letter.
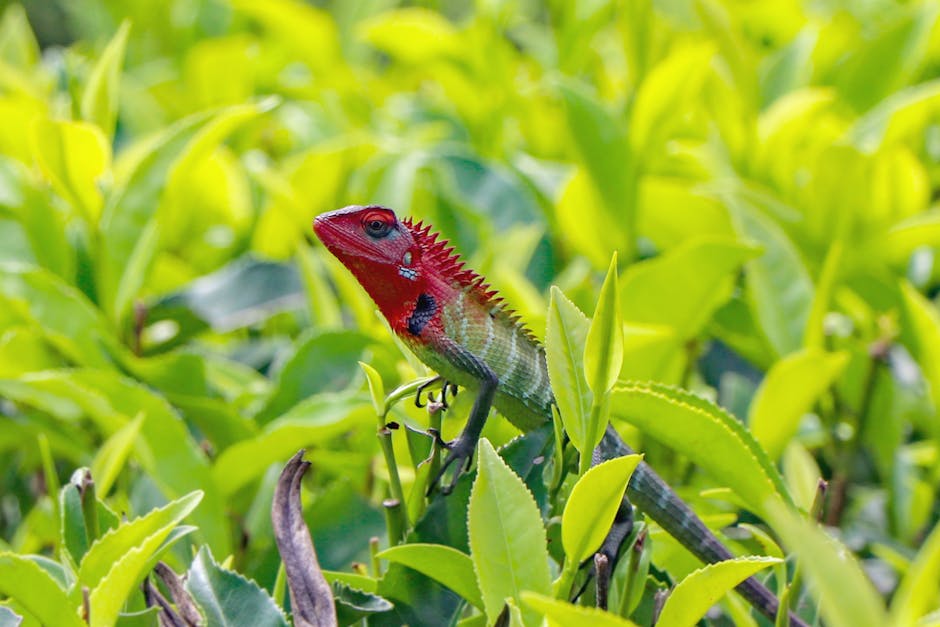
x: 460, y: 451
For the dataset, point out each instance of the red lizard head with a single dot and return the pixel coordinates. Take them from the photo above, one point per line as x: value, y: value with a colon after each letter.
x: 379, y: 250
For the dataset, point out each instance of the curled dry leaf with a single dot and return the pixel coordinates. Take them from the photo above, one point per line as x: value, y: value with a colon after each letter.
x: 188, y: 611
x: 310, y: 594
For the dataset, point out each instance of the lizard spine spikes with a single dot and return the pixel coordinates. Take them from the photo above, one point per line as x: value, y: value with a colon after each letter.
x: 439, y: 253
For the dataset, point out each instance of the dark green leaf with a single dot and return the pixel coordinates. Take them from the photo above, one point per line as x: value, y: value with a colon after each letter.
x: 227, y: 598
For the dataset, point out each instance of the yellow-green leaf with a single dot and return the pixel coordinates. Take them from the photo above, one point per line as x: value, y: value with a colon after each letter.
x: 563, y: 614
x: 100, y: 98
x: 376, y: 388
x: 705, y: 433
x: 923, y: 328
x: 442, y: 563
x: 789, y: 391
x: 917, y: 592
x: 603, y: 347
x: 110, y: 458
x: 36, y: 591
x: 693, y: 596
x: 592, y: 506
x: 411, y: 35
x: 109, y: 548
x: 73, y: 156
x: 565, y: 334
x: 846, y: 596
x: 507, y: 539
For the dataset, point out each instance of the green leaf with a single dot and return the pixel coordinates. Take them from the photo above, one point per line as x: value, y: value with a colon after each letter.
x: 353, y: 605
x: 562, y: 614
x: 877, y: 67
x: 899, y: 242
x: 802, y: 474
x: 592, y: 506
x: 603, y: 347
x: 18, y: 45
x: 111, y: 547
x: 36, y: 592
x: 227, y: 598
x: 130, y: 225
x: 100, y: 98
x: 601, y: 143
x: 323, y: 362
x: 674, y: 82
x: 917, y: 592
x: 565, y: 334
x: 74, y: 536
x: 113, y: 454
x: 411, y: 35
x: 693, y: 596
x: 63, y: 314
x: 789, y: 391
x: 165, y: 449
x: 683, y: 287
x: 846, y: 597
x: 706, y: 434
x: 906, y: 111
x: 507, y: 539
x: 111, y: 595
x: 73, y: 156
x: 779, y: 287
x: 308, y: 423
x: 441, y: 563
x: 376, y: 388
x: 922, y: 325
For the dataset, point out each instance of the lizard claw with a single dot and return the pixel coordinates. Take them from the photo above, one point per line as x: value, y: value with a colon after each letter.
x: 422, y: 389
x: 438, y: 403
x: 459, y: 453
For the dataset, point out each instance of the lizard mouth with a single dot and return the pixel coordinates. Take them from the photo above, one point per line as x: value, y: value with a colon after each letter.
x: 343, y: 244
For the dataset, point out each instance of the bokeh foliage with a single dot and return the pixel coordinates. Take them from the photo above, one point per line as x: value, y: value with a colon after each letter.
x: 767, y: 171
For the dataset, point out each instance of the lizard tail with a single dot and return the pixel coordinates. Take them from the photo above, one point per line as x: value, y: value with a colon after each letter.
x: 652, y: 495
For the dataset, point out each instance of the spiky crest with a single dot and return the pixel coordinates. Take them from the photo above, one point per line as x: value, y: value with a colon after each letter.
x: 442, y: 256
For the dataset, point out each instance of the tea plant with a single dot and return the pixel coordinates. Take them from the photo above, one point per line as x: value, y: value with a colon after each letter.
x: 170, y: 334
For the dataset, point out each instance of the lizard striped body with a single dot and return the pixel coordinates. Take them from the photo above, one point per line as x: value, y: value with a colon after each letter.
x: 454, y: 323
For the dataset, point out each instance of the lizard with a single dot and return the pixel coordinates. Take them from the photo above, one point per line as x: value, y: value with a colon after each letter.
x: 461, y: 328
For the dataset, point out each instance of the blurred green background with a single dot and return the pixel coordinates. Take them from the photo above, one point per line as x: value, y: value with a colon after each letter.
x: 768, y: 172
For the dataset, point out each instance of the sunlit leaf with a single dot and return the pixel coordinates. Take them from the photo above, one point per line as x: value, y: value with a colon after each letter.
x: 603, y: 346
x: 683, y: 287
x: 507, y: 540
x: 559, y: 613
x: 441, y: 563
x: 706, y: 434
x: 411, y: 35
x: 592, y: 506
x: 693, y: 596
x: 917, y: 592
x: 565, y: 336
x: 73, y: 156
x: 113, y: 454
x: 36, y: 591
x: 846, y: 596
x: 788, y: 392
x: 100, y: 98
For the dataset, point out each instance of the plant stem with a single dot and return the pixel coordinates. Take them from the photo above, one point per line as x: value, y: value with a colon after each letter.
x: 373, y: 552
x: 593, y: 433
x: 394, y: 481
x: 394, y: 515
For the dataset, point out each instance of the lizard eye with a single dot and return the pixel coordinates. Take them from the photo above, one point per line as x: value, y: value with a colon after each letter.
x: 376, y: 225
